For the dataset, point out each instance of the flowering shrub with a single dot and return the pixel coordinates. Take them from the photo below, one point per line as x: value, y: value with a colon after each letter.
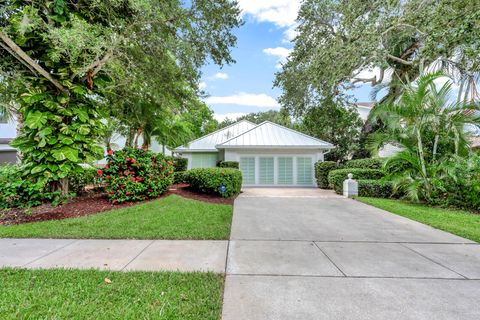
x: 136, y: 174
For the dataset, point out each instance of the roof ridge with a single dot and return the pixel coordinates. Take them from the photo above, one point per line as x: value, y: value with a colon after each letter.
x: 280, y: 126
x: 216, y: 131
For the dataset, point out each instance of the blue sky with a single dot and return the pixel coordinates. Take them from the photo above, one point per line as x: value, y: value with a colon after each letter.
x: 263, y: 42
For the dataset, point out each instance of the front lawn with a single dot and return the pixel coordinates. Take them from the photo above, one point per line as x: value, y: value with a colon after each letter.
x: 172, y: 217
x: 85, y: 294
x: 462, y: 223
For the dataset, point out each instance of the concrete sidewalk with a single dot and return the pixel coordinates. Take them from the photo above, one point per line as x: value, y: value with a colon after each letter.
x: 335, y: 258
x: 118, y: 255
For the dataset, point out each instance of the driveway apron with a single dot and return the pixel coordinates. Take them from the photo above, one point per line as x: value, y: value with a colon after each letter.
x: 302, y: 254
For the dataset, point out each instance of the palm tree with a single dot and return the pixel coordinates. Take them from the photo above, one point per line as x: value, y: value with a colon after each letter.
x: 429, y: 126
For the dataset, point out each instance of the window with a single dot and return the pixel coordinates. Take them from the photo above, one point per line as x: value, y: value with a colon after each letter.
x: 285, y: 170
x: 247, y: 166
x: 266, y: 171
x: 304, y: 171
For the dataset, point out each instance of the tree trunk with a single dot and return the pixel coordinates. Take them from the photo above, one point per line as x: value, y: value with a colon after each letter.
x: 130, y: 137
x: 135, y: 142
x: 19, y: 118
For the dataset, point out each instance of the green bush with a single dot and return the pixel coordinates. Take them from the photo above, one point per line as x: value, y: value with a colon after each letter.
x: 136, y: 174
x: 210, y: 180
x: 228, y: 164
x: 322, y: 169
x: 375, y: 188
x: 368, y: 163
x: 77, y: 181
x: 179, y: 177
x: 180, y: 164
x: 336, y: 177
x: 19, y: 191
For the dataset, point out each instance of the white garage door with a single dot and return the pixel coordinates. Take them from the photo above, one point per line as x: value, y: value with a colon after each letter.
x: 265, y: 170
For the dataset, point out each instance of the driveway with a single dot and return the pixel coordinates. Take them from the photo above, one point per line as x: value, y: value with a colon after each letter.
x: 307, y: 254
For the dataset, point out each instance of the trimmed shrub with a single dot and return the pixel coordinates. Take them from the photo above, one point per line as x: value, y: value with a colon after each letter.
x: 375, y: 188
x: 136, y: 174
x: 336, y: 177
x: 368, y: 163
x: 228, y: 164
x: 322, y: 169
x: 210, y: 180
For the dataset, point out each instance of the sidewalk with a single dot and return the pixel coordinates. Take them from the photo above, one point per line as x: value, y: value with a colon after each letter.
x: 117, y: 255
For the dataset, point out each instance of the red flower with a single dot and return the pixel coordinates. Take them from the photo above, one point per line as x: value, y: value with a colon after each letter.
x: 133, y: 160
x: 110, y: 152
x: 107, y: 177
x: 114, y: 201
x: 127, y: 193
x: 139, y: 179
x: 133, y: 179
x: 99, y: 172
x: 111, y: 192
x: 106, y: 166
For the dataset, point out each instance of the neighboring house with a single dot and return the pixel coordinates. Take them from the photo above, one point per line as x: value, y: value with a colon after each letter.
x: 269, y: 154
x: 8, y: 131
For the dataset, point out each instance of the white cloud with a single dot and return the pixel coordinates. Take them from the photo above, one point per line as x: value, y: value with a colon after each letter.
x: 280, y: 52
x: 282, y: 13
x: 220, y: 75
x: 261, y: 100
x: 232, y: 116
x: 202, y: 85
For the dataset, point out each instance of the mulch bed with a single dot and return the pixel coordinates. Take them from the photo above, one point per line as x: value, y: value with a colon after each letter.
x: 92, y: 203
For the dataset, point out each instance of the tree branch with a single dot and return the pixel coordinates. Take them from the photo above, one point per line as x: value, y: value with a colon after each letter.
x: 397, y: 59
x: 20, y: 55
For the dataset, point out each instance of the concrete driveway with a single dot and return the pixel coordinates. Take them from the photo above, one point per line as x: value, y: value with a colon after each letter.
x: 294, y: 255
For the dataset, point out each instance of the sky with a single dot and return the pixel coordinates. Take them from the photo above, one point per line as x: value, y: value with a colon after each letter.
x: 264, y: 42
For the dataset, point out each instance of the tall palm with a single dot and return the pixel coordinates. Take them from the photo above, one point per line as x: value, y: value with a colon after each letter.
x: 429, y: 126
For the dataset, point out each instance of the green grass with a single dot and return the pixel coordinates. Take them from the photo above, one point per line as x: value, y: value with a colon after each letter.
x: 462, y: 223
x: 84, y: 294
x: 172, y: 217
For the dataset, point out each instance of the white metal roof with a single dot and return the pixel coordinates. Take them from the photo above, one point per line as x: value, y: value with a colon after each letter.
x: 208, y: 142
x: 271, y: 135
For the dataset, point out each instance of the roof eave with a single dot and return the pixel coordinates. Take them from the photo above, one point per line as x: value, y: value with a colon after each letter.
x: 322, y: 147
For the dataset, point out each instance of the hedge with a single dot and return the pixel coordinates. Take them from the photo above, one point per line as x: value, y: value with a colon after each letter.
x: 336, y: 177
x: 375, y: 188
x: 179, y: 176
x: 369, y: 163
x: 322, y: 169
x: 210, y: 180
x: 228, y: 164
x: 180, y: 164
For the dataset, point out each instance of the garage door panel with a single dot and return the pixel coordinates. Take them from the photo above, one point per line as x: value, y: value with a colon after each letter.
x: 304, y: 171
x: 247, y: 166
x: 266, y: 170
x: 285, y: 170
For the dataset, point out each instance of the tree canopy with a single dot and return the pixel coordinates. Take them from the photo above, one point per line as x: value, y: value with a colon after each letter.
x: 342, y: 44
x: 79, y: 61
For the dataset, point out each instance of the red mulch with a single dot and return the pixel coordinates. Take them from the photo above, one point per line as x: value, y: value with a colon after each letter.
x: 91, y: 203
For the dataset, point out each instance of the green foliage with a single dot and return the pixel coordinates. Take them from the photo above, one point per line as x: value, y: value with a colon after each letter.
x: 180, y: 164
x: 368, y: 163
x: 338, y: 41
x: 336, y: 177
x: 334, y: 122
x: 375, y: 188
x: 179, y: 176
x: 279, y: 117
x: 228, y: 164
x: 457, y: 183
x: 17, y: 191
x: 210, y: 180
x: 138, y: 60
x: 430, y: 130
x: 322, y: 169
x: 135, y: 175
x: 86, y: 177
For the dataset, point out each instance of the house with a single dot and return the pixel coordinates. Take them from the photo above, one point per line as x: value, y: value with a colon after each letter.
x: 8, y: 131
x: 269, y: 154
